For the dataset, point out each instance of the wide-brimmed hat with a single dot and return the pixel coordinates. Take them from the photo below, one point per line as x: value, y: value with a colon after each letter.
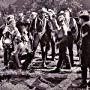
x: 10, y: 17
x: 33, y: 13
x: 42, y: 10
x: 83, y: 13
x: 61, y: 13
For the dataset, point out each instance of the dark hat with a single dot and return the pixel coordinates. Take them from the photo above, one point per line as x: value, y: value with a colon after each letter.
x: 84, y: 13
x: 84, y: 17
x: 61, y: 13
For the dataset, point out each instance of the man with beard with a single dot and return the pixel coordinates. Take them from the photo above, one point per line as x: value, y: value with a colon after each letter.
x: 37, y: 30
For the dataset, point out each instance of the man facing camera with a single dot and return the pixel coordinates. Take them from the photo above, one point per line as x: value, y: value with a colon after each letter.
x: 85, y: 47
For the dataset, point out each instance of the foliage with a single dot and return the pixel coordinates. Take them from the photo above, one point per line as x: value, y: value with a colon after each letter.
x: 34, y: 5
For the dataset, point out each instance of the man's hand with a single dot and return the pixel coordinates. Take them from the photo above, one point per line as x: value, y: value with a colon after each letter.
x: 31, y: 37
x: 85, y: 34
x: 13, y: 53
x: 41, y: 34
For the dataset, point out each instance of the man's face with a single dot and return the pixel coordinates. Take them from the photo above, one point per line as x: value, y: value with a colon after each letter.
x: 33, y: 15
x: 81, y: 21
x: 41, y: 15
x: 21, y: 18
x: 67, y: 15
x: 12, y: 23
x: 61, y: 18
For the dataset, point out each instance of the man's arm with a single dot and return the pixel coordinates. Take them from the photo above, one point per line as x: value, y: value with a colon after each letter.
x: 84, y: 30
x: 76, y: 28
x: 85, y: 34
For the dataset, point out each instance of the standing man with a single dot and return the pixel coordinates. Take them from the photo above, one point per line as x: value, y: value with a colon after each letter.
x: 62, y: 43
x: 85, y: 47
x: 10, y: 33
x: 38, y: 29
x: 71, y: 33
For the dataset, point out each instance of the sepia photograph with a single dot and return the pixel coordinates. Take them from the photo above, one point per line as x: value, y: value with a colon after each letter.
x: 44, y: 45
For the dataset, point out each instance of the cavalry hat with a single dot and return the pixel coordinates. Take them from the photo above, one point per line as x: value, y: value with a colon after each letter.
x: 44, y: 10
x: 61, y: 13
x: 83, y: 13
x: 10, y: 17
x: 33, y: 13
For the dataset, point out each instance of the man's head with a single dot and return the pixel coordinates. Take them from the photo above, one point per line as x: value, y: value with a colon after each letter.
x: 84, y: 18
x: 18, y: 39
x: 51, y: 14
x: 11, y: 20
x: 21, y: 16
x: 42, y: 12
x: 61, y: 16
x: 33, y: 15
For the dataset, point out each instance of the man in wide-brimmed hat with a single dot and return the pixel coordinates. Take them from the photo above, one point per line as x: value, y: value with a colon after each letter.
x: 9, y: 34
x: 37, y: 30
x: 85, y: 47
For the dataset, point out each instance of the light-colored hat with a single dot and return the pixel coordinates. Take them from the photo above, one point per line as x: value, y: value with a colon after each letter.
x: 61, y: 13
x: 84, y: 13
x: 10, y: 17
x: 33, y: 13
x: 44, y: 10
x: 51, y: 11
x: 20, y: 14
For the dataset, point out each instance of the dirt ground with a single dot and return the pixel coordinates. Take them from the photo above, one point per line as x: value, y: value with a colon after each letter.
x: 38, y: 78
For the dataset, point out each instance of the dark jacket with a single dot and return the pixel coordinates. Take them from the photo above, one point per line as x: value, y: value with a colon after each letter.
x: 38, y: 25
x: 85, y: 47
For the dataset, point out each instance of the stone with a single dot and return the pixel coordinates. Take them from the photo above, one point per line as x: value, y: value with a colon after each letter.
x: 7, y: 86
x: 30, y: 81
x: 65, y: 83
x: 53, y: 63
x: 20, y: 87
x: 55, y: 78
x: 42, y: 86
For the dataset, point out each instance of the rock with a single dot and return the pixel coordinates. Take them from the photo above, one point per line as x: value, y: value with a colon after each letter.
x: 36, y: 83
x: 20, y: 87
x: 66, y: 83
x: 55, y: 78
x: 42, y: 86
x: 30, y: 82
x: 53, y: 63
x: 7, y: 86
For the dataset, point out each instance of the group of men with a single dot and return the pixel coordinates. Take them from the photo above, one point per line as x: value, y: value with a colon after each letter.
x: 56, y: 30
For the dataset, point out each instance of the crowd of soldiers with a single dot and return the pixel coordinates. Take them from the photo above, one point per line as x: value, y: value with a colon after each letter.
x: 21, y: 36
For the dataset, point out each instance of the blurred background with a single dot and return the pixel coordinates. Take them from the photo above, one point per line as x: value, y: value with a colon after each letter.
x: 10, y: 6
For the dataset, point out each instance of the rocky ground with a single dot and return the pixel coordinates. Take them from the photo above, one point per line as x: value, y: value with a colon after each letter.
x: 37, y: 78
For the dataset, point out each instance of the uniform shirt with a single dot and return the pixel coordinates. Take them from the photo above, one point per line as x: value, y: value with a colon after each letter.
x: 85, y: 30
x: 21, y: 24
